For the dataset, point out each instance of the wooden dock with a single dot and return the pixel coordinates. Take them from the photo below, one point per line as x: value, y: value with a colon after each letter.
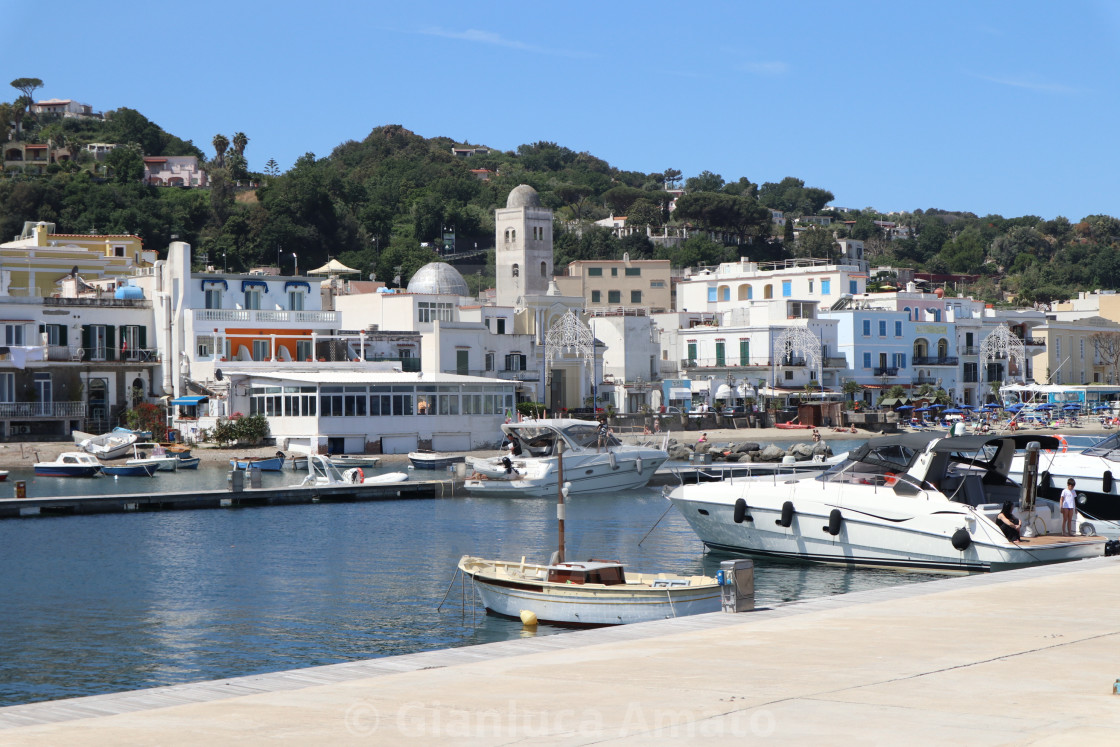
x: 14, y: 508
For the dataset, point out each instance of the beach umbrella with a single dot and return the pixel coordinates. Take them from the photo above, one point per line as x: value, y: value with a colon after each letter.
x: 1043, y: 406
x: 952, y: 411
x: 922, y: 409
x: 967, y: 407
x: 905, y: 407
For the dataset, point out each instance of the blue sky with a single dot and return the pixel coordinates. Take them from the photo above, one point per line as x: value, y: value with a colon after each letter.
x: 1006, y: 108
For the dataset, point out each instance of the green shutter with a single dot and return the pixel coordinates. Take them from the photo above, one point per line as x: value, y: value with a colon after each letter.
x: 110, y: 342
x: 86, y: 341
x: 62, y: 335
x: 142, y: 335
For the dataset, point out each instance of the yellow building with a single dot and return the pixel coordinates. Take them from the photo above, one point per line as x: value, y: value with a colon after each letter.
x: 620, y: 284
x: 1070, y: 355
x: 34, y: 262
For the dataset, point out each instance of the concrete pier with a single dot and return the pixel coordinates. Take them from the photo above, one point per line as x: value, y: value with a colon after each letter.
x: 1017, y: 657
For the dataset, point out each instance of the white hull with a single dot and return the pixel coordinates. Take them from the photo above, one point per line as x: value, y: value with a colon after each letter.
x: 587, y: 474
x: 109, y: 445
x: 508, y: 593
x: 914, y: 534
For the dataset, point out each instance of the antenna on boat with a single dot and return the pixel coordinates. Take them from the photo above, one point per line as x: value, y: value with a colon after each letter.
x: 561, y: 491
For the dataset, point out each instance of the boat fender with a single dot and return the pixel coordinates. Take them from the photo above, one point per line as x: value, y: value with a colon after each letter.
x: 740, y: 514
x: 360, y: 475
x: 834, y: 521
x: 962, y: 539
x: 787, y: 515
x: 1107, y: 480
x: 612, y: 460
x: 1044, y: 480
x: 638, y: 464
x: 528, y: 618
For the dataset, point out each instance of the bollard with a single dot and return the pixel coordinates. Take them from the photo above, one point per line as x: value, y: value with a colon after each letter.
x: 254, y: 477
x: 21, y: 489
x: 236, y: 481
x: 736, y: 579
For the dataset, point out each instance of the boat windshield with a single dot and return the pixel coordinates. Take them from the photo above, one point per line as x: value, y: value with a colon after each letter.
x: 1108, y: 448
x: 587, y: 436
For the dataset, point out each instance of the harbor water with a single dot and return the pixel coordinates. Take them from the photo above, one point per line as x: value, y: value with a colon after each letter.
x: 110, y: 602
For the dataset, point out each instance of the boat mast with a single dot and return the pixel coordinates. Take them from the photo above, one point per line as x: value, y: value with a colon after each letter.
x: 560, y: 497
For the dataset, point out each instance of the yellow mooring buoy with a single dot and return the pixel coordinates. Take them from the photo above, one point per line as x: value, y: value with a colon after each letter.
x: 529, y: 618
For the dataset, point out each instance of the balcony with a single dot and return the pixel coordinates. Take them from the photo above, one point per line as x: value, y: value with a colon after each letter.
x: 507, y: 375
x: 970, y: 350
x: 935, y: 360
x: 42, y: 409
x: 893, y: 371
x: 265, y: 316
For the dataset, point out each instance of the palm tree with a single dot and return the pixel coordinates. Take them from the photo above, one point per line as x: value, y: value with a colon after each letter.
x: 240, y: 140
x: 221, y: 144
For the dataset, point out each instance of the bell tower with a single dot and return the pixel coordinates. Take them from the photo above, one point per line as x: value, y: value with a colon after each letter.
x: 522, y: 247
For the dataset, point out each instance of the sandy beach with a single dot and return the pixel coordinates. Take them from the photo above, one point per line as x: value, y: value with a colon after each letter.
x: 23, y: 455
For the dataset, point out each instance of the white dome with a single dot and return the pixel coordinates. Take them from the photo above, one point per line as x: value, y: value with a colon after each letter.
x: 523, y: 196
x: 438, y: 277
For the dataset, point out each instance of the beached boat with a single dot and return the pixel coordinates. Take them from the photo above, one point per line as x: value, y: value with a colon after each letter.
x: 112, y: 445
x: 913, y: 501
x: 433, y: 460
x: 533, y: 465
x: 264, y: 464
x: 792, y: 426
x: 136, y: 468
x: 69, y: 464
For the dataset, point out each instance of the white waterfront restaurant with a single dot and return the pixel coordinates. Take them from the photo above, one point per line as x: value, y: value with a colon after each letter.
x: 363, y: 411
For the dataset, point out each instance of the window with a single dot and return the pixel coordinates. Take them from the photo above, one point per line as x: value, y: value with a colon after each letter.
x: 132, y: 342
x: 300, y: 401
x: 768, y: 291
x: 303, y: 350
x: 657, y: 284
x: 721, y: 357
x: 213, y: 298
x: 515, y: 362
x: 810, y: 286
x: 13, y: 334
x: 635, y: 296
x: 787, y: 288
x: 489, y: 361
x: 463, y: 362
x: 902, y: 360
x: 712, y: 295
x: 692, y: 353
x: 265, y: 400
x: 867, y: 360
x: 898, y: 329
x: 56, y: 334
x: 501, y: 326
x: 744, y: 352
x: 724, y: 293
x: 262, y: 350
x: 1082, y: 348
x: 633, y: 272
x: 853, y: 287
x: 595, y: 272
x: 867, y: 328
x: 203, y: 345
x: 434, y: 311
x: 614, y: 296
x: 515, y: 271
x: 253, y: 298
x: 544, y: 269
x: 614, y: 272
x: 7, y: 387
x: 826, y: 287
x: 295, y: 300
x: 596, y: 297
x: 882, y: 328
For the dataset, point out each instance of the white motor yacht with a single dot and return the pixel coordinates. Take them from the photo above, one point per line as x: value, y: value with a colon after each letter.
x: 1095, y: 469
x: 533, y: 465
x: 911, y: 501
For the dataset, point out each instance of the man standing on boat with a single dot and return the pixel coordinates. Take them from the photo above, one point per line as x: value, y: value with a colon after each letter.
x: 604, y: 435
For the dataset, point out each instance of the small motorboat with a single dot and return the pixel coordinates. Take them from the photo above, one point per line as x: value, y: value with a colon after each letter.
x: 346, y: 461
x: 386, y: 479
x: 69, y: 464
x: 137, y: 468
x: 188, y: 462
x: 168, y: 461
x: 322, y: 471
x: 264, y: 464
x: 434, y: 460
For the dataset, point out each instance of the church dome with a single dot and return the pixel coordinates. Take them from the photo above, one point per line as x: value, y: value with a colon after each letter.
x: 523, y: 196
x: 438, y: 277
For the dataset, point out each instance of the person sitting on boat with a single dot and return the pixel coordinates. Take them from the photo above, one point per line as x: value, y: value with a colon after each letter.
x: 1007, y: 522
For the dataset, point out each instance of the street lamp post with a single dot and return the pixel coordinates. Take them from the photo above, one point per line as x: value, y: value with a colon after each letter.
x: 295, y: 259
x: 224, y: 266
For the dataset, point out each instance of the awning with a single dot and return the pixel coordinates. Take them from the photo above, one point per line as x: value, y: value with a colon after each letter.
x: 206, y: 282
x: 677, y: 392
x: 189, y: 401
x: 297, y: 284
x: 250, y: 283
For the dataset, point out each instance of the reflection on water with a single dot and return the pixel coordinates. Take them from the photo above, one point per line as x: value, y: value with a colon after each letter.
x: 114, y: 602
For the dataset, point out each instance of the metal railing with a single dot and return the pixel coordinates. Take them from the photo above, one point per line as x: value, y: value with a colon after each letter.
x: 888, y: 371
x: 934, y: 360
x: 42, y: 409
x: 266, y: 316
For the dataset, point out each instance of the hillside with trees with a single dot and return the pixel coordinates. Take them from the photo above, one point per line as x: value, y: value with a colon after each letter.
x: 385, y: 204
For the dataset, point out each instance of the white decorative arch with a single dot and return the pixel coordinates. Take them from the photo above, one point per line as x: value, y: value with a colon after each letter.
x: 1001, y: 343
x: 569, y: 335
x: 800, y: 340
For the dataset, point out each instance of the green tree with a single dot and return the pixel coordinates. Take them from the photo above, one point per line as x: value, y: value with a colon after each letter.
x: 643, y: 212
x: 240, y: 140
x: 671, y: 177
x: 125, y: 164
x: 816, y: 241
x: 272, y: 168
x: 705, y: 181
x: 221, y: 145
x: 27, y: 86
